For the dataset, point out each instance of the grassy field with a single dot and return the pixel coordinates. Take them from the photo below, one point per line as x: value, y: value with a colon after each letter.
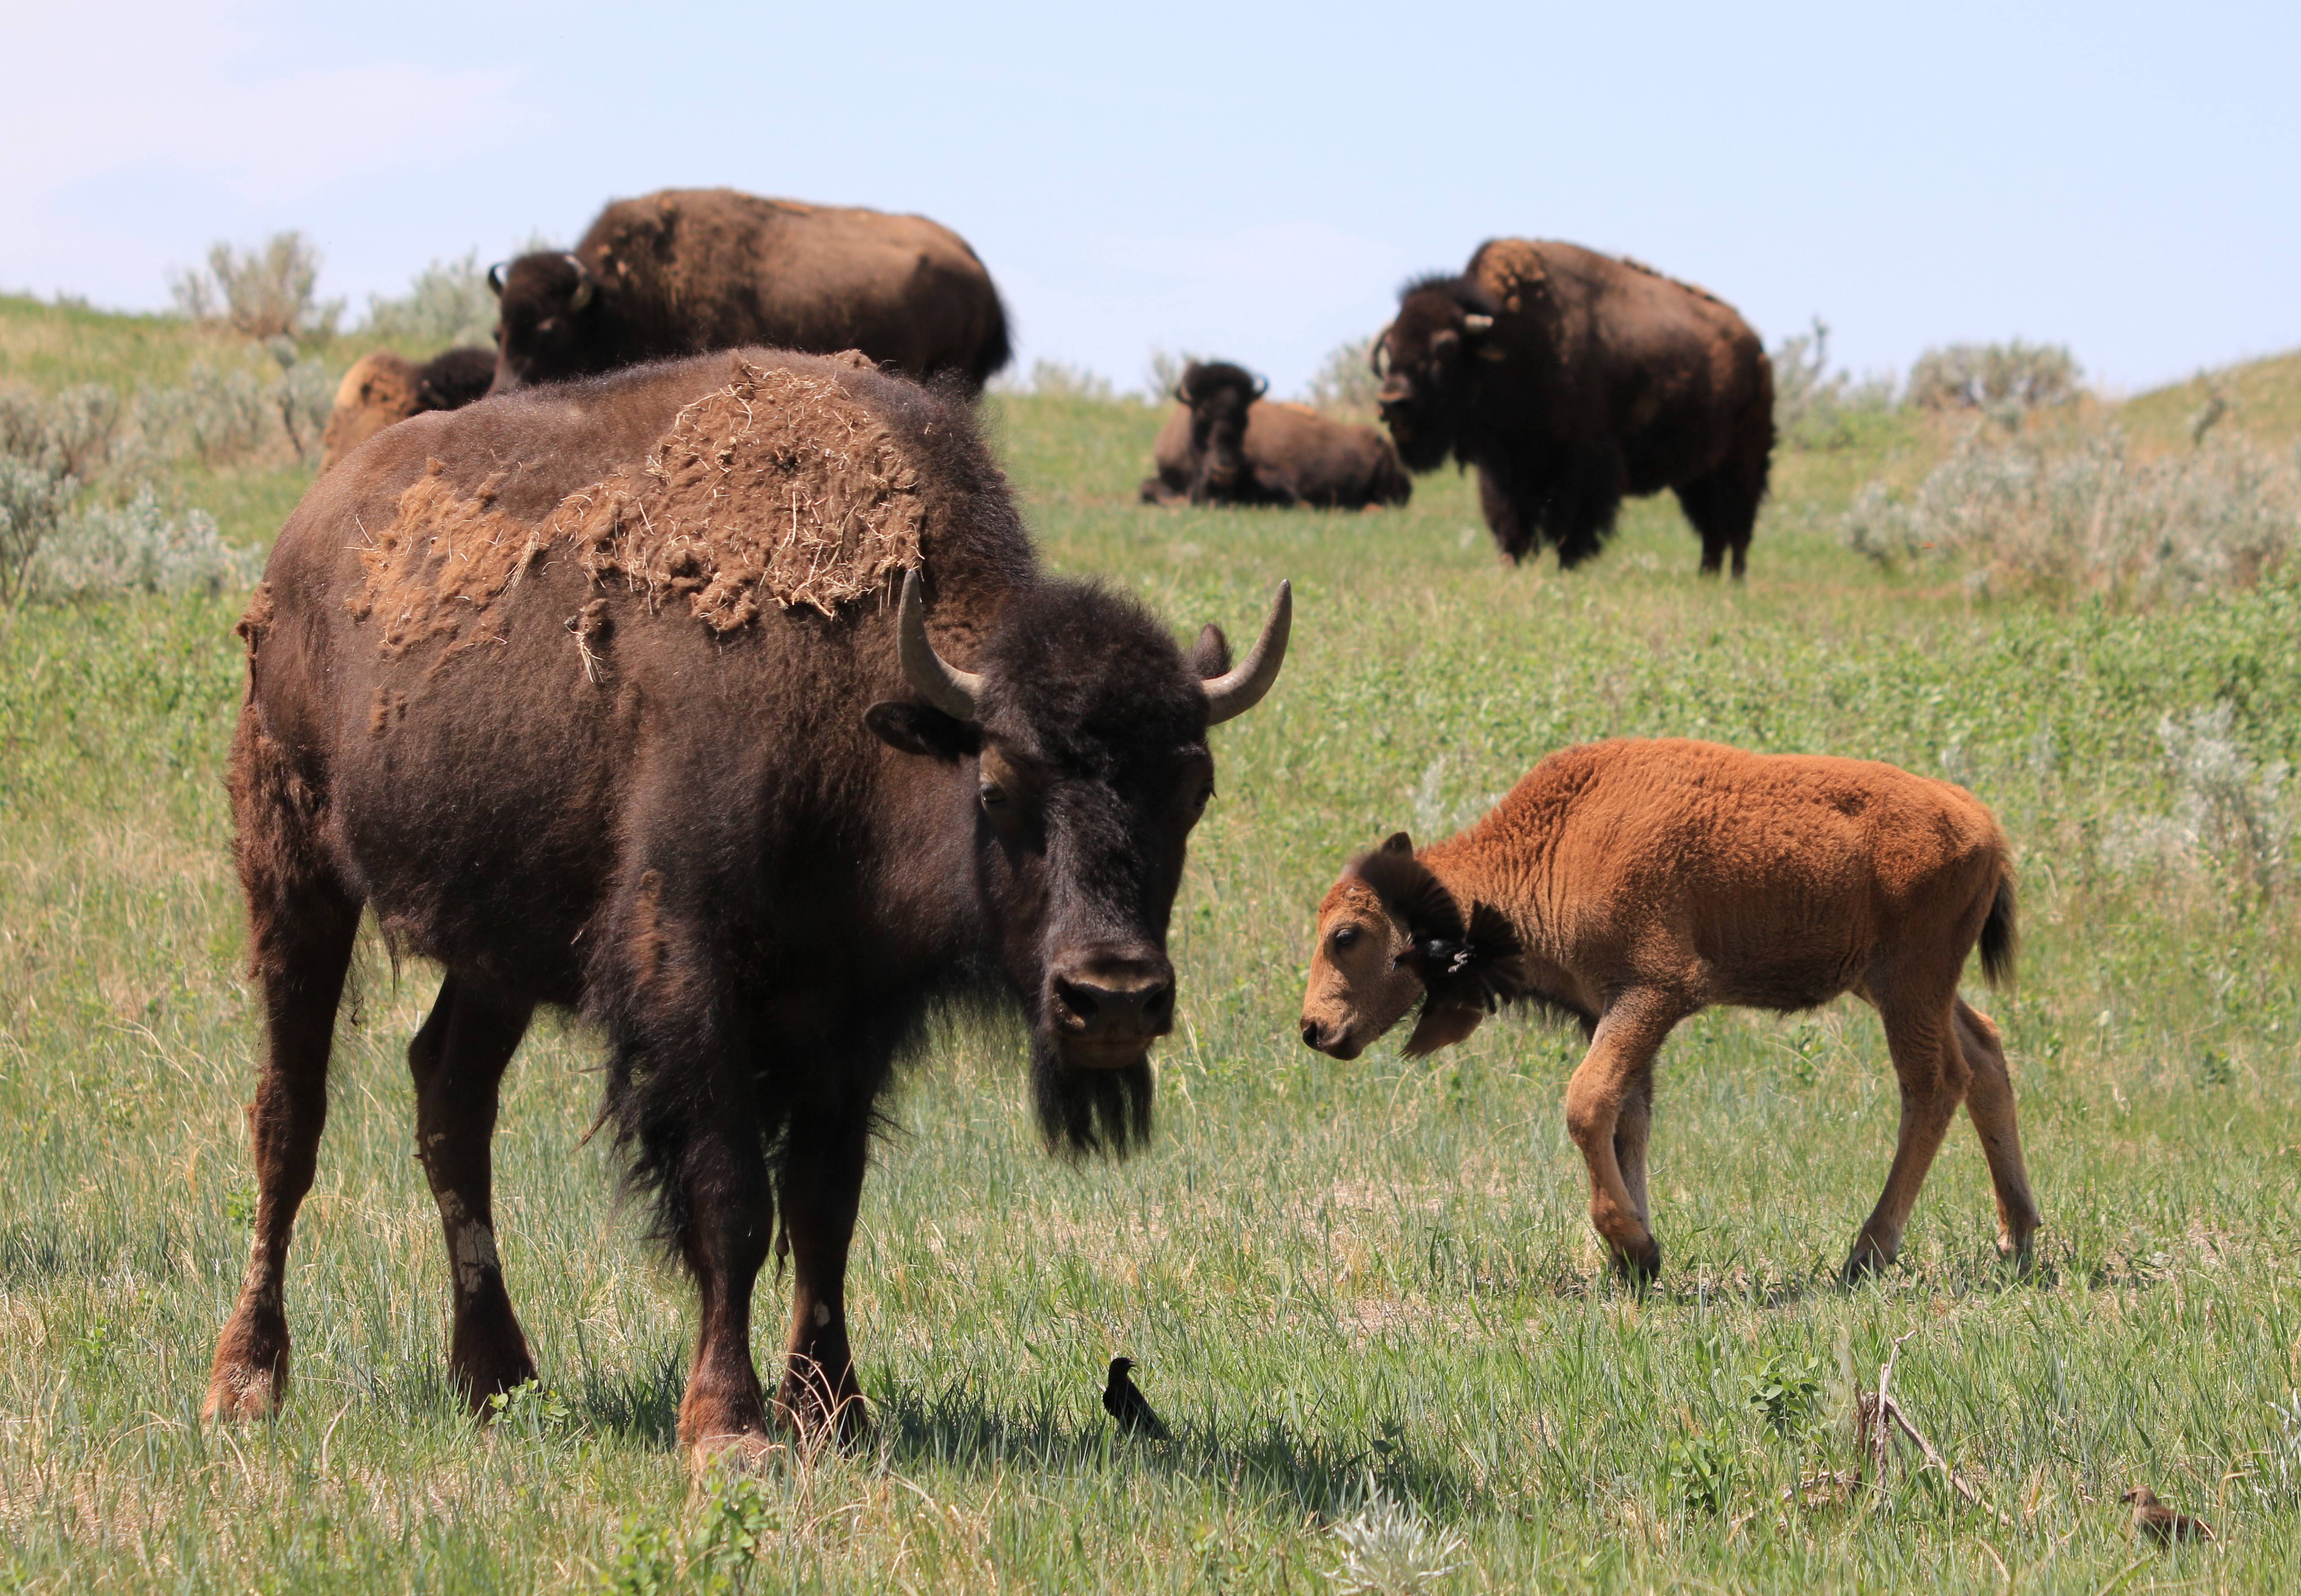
x: 1338, y: 1278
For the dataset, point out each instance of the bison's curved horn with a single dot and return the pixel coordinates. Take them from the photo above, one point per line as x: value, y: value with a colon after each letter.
x: 1241, y: 688
x: 1261, y: 386
x: 1476, y: 325
x: 494, y: 279
x: 583, y: 296
x: 932, y: 676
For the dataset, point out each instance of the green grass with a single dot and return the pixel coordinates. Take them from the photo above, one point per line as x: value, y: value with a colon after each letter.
x: 1330, y: 1273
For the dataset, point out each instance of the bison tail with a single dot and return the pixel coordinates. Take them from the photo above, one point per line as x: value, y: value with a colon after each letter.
x: 2001, y: 939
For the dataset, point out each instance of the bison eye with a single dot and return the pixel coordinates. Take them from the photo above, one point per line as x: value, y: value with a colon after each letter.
x: 993, y: 796
x: 1345, y: 938
x: 1206, y: 795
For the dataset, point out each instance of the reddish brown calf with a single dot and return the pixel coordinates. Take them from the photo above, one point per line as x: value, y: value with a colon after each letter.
x: 1633, y: 883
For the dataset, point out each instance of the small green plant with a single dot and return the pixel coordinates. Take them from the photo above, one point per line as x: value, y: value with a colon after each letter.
x: 645, y: 1562
x: 530, y: 1410
x: 1786, y: 1392
x: 239, y: 1206
x: 1700, y: 1474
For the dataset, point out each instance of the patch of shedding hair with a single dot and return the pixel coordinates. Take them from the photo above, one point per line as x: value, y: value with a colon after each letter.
x: 777, y: 486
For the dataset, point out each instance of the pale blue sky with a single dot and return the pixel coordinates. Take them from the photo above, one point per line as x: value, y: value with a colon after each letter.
x: 1247, y: 181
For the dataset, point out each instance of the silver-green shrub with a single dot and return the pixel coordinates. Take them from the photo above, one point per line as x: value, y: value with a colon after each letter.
x: 2232, y: 813
x: 2021, y: 514
x: 2009, y: 377
x: 449, y: 304
x: 1815, y: 407
x: 1344, y: 384
x: 265, y: 292
x: 138, y: 547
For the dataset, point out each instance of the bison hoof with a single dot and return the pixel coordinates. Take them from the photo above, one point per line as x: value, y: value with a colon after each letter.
x: 1867, y: 1259
x: 1640, y: 1267
x: 242, y: 1391
x: 742, y: 1452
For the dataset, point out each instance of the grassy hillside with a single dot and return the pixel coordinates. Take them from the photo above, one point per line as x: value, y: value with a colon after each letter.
x: 1337, y: 1277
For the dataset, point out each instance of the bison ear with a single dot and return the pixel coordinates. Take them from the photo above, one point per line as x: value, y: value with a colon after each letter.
x: 1398, y: 843
x: 1210, y: 654
x: 918, y: 729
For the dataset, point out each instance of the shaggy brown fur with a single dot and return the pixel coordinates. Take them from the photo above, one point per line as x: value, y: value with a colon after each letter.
x: 1630, y: 884
x: 1227, y: 444
x: 690, y: 269
x: 595, y: 695
x: 384, y: 388
x: 1569, y: 378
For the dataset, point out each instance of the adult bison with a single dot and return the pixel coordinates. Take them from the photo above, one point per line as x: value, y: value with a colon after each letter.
x: 689, y: 269
x: 1569, y: 378
x: 724, y: 702
x: 384, y: 388
x: 1631, y: 884
x: 1228, y: 444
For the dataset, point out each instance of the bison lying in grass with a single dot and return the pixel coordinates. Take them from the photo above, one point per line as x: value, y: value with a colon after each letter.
x: 1633, y: 883
x: 384, y: 388
x: 1226, y: 445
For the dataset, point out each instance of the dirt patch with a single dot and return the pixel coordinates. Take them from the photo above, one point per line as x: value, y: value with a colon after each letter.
x: 779, y: 487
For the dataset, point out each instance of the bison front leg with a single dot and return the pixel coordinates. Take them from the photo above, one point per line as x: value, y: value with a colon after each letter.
x: 731, y: 1210
x: 1607, y: 1116
x: 821, y: 1189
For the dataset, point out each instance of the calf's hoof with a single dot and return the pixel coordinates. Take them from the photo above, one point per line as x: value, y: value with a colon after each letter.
x: 1866, y: 1259
x: 249, y: 1377
x: 1639, y: 1267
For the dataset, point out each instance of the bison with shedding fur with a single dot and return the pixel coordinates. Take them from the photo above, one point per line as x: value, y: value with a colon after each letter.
x: 1228, y: 444
x: 722, y: 702
x: 690, y: 269
x: 1632, y: 884
x: 1569, y: 378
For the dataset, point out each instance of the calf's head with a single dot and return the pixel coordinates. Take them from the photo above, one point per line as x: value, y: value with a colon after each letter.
x: 1219, y: 395
x: 1083, y: 731
x: 1390, y: 935
x: 1428, y: 361
x: 545, y: 308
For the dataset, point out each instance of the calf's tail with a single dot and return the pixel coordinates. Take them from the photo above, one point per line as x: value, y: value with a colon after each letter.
x: 2001, y: 939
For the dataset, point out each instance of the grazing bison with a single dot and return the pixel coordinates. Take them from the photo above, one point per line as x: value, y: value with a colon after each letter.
x: 724, y: 702
x: 1227, y: 445
x: 384, y: 388
x: 1630, y: 884
x: 1570, y: 379
x: 690, y: 269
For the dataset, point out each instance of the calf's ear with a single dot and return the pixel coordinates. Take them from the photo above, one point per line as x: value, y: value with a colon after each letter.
x: 919, y: 728
x: 1442, y: 1026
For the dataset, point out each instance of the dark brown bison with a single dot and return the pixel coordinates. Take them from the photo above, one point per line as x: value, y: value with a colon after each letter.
x: 384, y: 388
x: 1570, y: 379
x: 1631, y: 884
x: 724, y: 702
x: 1228, y: 444
x: 690, y: 269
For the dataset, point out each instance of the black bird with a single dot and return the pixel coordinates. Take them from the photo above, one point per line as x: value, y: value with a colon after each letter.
x: 2160, y: 1523
x: 1126, y: 1405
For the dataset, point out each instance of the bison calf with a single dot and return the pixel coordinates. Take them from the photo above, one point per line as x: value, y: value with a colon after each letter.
x: 1224, y: 445
x: 384, y: 388
x: 1632, y: 884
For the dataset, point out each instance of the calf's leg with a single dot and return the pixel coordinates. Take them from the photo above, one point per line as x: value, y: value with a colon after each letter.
x: 1609, y: 1084
x: 1933, y: 1074
x: 1989, y: 1103
x: 458, y: 1060
x: 1630, y: 1132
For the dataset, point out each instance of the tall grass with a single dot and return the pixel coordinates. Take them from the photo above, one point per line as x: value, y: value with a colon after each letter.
x: 1364, y: 1295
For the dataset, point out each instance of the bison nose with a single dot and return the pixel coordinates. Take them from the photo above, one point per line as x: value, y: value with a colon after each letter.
x: 1133, y: 1000
x: 1311, y: 1037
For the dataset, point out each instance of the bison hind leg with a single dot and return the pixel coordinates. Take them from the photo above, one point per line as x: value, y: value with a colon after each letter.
x: 1723, y: 510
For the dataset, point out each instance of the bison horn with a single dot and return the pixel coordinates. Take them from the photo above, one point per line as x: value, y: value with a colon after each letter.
x: 1241, y: 688
x: 1261, y: 386
x: 494, y: 279
x: 932, y: 676
x: 583, y: 296
x: 1477, y: 326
